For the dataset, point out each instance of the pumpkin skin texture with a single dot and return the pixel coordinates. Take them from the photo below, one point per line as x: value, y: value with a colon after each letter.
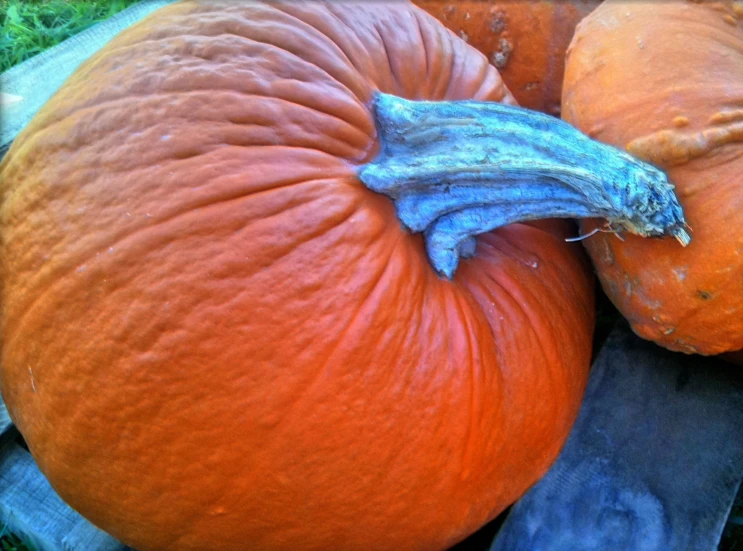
x: 665, y: 81
x: 525, y: 40
x: 216, y: 338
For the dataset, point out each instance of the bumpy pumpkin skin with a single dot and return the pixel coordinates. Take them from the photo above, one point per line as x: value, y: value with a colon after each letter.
x: 665, y: 81
x: 216, y: 338
x: 525, y: 39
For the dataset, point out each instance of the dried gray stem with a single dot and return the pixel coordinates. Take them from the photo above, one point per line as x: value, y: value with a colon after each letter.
x: 459, y: 169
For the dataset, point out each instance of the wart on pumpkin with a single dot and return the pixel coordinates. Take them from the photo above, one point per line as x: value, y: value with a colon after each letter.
x: 459, y: 169
x: 669, y: 147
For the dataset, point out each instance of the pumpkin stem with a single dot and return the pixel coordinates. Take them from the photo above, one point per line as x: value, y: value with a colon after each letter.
x: 459, y: 169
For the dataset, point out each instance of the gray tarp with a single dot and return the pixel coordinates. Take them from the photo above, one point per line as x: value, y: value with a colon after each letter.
x: 653, y: 462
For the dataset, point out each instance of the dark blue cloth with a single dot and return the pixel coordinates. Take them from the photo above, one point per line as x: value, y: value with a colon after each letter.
x: 653, y: 463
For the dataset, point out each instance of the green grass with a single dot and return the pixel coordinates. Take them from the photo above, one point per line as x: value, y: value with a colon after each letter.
x: 31, y: 26
x: 11, y: 542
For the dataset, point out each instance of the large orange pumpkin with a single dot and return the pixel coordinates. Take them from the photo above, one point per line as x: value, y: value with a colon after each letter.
x: 665, y: 81
x: 215, y: 337
x: 525, y: 39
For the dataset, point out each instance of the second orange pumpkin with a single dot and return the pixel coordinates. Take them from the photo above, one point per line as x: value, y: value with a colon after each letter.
x: 526, y: 40
x: 664, y: 80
